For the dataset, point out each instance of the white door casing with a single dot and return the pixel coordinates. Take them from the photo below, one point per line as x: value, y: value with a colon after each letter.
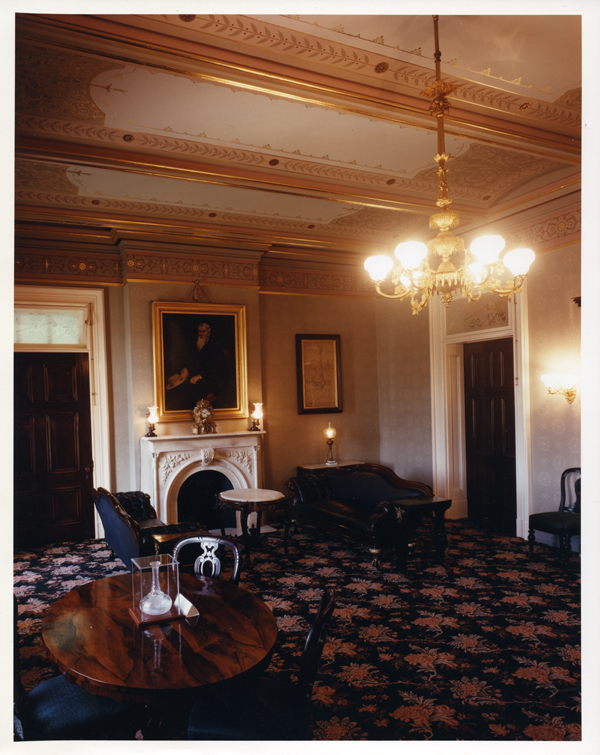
x: 447, y: 410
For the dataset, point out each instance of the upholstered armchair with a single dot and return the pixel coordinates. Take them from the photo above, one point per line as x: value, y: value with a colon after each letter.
x: 131, y: 526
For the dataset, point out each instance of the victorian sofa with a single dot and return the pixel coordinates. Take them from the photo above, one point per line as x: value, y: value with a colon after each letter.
x: 367, y: 503
x: 132, y: 529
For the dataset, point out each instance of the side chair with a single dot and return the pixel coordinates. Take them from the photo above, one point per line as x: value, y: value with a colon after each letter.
x: 208, y: 563
x: 566, y: 522
x: 267, y: 708
x: 56, y: 709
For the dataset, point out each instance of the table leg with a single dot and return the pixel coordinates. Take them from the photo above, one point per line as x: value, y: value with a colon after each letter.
x: 219, y: 513
x: 439, y: 537
x: 245, y: 534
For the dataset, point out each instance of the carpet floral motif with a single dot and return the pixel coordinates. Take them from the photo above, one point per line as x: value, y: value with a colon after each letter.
x: 489, y: 652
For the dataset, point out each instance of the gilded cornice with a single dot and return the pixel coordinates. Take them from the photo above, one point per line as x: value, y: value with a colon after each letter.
x: 269, y: 275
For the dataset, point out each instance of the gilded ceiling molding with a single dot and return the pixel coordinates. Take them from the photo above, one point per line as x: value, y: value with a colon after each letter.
x: 409, y: 74
x: 53, y: 82
x: 484, y: 170
x: 335, y: 56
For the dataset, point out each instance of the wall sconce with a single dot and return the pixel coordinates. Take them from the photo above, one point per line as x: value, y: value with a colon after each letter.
x: 257, y: 416
x: 152, y: 417
x: 564, y: 385
x: 330, y: 433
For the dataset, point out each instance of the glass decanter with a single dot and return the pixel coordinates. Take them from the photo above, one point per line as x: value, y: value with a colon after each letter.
x: 156, y: 601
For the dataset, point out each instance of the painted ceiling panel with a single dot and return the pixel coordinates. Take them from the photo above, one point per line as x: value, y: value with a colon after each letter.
x: 144, y: 100
x: 294, y: 126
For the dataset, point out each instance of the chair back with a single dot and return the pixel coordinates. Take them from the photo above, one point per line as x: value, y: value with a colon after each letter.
x: 208, y: 563
x: 570, y: 491
x: 137, y: 504
x: 120, y: 530
x: 313, y: 647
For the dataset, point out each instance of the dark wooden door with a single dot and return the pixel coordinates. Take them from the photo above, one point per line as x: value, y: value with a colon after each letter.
x: 490, y: 434
x: 53, y: 449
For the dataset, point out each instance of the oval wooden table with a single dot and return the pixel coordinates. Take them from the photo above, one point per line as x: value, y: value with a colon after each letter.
x: 91, y: 637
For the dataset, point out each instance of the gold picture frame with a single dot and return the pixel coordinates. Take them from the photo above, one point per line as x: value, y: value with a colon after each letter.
x: 319, y: 374
x: 199, y: 351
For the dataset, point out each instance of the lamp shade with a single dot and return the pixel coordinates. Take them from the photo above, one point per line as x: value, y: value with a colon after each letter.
x: 557, y: 381
x: 329, y: 432
x: 487, y: 248
x: 258, y: 412
x: 378, y: 266
x: 411, y: 254
x: 152, y: 415
x: 519, y: 260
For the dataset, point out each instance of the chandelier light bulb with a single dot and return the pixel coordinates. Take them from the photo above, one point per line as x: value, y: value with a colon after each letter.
x: 519, y: 260
x: 478, y: 273
x: 411, y: 254
x: 378, y: 266
x: 487, y: 248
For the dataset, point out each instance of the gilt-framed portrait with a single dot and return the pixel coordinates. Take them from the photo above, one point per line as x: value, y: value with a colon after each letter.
x: 199, y: 353
x: 319, y: 374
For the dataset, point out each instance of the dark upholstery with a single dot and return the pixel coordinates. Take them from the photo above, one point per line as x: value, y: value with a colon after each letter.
x: 57, y: 709
x: 355, y: 502
x: 130, y: 537
x: 265, y: 708
x: 566, y: 522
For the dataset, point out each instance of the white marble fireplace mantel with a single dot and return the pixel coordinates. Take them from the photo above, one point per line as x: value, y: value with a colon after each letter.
x: 167, y: 462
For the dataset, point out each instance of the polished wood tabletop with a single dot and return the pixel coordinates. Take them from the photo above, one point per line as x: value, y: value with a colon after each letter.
x: 91, y: 637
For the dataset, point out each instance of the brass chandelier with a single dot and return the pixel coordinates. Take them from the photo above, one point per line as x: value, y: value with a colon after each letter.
x: 444, y: 266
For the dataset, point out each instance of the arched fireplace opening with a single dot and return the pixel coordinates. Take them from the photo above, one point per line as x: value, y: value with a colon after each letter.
x: 196, y: 499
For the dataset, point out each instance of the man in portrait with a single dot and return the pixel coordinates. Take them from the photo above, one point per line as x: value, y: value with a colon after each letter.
x: 203, y: 373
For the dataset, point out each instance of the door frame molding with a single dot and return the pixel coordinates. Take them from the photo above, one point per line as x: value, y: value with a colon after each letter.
x: 447, y: 408
x: 94, y: 344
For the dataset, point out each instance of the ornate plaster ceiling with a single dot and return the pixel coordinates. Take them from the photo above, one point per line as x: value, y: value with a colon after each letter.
x: 304, y: 132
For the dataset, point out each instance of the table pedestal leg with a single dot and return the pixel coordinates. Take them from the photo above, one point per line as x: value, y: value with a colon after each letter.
x: 245, y: 534
x: 439, y: 537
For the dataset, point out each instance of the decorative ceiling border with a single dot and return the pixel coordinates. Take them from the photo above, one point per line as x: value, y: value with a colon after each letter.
x: 421, y: 80
x: 268, y: 276
x: 382, y: 67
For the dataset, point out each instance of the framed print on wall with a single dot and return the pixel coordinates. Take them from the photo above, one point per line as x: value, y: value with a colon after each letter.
x: 199, y: 352
x: 319, y: 371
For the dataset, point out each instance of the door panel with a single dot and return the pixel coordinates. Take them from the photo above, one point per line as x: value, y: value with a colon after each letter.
x: 490, y: 426
x: 53, y: 449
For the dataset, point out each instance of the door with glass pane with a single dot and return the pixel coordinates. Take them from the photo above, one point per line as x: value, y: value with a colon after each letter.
x: 52, y: 449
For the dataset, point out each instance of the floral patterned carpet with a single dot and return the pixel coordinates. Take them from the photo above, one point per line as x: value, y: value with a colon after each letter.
x: 491, y: 652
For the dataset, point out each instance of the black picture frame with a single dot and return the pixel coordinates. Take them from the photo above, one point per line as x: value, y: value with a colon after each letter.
x: 319, y: 374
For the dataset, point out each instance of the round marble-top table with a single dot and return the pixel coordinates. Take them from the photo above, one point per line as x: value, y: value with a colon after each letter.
x: 247, y: 501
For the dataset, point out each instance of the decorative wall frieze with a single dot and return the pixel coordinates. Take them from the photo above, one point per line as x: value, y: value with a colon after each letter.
x: 85, y: 268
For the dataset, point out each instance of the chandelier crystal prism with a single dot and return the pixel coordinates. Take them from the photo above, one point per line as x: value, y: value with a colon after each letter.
x: 445, y: 266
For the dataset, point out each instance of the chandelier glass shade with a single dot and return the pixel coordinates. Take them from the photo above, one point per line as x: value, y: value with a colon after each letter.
x: 444, y: 265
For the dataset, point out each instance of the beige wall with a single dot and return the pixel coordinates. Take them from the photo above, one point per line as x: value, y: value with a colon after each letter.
x: 404, y: 390
x: 292, y: 438
x: 554, y: 346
